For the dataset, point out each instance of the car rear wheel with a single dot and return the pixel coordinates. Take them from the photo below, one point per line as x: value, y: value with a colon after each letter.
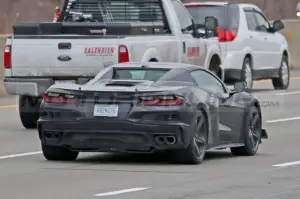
x: 252, y: 134
x: 29, y: 111
x: 283, y: 81
x: 247, y: 73
x: 195, y: 152
x: 55, y: 153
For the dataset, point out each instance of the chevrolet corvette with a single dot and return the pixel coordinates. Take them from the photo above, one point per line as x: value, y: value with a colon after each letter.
x: 183, y: 110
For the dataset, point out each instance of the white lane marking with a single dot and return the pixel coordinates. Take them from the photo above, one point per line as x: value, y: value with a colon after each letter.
x: 122, y: 191
x: 288, y: 93
x: 283, y: 120
x: 20, y: 155
x: 287, y: 164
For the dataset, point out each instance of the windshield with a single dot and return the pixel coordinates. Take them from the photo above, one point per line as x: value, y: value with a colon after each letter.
x: 117, y: 11
x: 200, y: 12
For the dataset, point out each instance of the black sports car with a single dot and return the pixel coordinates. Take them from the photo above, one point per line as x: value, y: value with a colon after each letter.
x: 181, y: 109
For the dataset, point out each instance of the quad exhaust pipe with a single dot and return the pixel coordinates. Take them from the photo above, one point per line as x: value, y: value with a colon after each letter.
x: 159, y: 140
x: 165, y: 140
x: 170, y: 140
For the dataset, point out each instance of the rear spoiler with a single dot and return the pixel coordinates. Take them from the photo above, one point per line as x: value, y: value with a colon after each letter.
x: 127, y: 83
x: 89, y: 28
x: 205, y: 3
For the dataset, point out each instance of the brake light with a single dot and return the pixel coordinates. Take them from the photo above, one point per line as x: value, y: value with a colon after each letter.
x: 193, y: 5
x: 123, y: 54
x: 7, y: 56
x: 50, y: 97
x: 162, y: 100
x: 227, y: 35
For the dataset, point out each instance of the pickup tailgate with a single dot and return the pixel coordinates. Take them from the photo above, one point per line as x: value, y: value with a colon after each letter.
x: 62, y: 57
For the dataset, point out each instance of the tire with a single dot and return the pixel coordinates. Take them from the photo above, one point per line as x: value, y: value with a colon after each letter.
x: 246, y: 75
x: 214, y: 67
x: 195, y: 152
x: 283, y: 81
x: 54, y: 153
x: 29, y: 111
x: 252, y: 134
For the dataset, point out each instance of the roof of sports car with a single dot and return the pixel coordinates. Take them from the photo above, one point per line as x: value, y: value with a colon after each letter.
x: 169, y: 65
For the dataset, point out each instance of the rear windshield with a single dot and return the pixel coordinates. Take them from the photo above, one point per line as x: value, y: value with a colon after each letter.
x: 199, y: 13
x: 227, y: 16
x: 139, y: 74
x: 116, y: 11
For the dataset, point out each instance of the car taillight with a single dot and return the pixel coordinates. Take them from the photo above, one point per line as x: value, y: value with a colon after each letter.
x: 123, y: 54
x: 227, y: 35
x: 50, y: 97
x: 7, y: 56
x: 162, y: 100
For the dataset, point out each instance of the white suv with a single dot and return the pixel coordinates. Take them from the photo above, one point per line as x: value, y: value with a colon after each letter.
x: 252, y: 49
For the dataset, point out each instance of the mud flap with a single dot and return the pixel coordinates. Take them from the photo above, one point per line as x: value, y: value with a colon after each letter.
x: 264, y: 134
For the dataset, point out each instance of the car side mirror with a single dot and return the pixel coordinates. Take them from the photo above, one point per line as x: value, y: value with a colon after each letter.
x: 239, y: 87
x: 211, y: 25
x: 278, y: 25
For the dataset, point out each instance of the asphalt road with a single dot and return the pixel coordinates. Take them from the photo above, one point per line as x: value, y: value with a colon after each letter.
x: 25, y: 174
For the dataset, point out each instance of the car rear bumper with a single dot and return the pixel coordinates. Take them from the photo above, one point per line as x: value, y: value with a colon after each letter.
x: 232, y: 64
x: 113, y: 136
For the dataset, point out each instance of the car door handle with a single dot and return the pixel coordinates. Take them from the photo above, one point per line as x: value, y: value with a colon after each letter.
x: 266, y: 38
x: 251, y: 36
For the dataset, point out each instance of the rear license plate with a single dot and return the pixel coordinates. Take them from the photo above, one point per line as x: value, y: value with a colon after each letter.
x: 65, y: 82
x: 106, y: 110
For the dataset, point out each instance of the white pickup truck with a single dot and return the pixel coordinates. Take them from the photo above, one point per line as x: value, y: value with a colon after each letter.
x: 93, y: 34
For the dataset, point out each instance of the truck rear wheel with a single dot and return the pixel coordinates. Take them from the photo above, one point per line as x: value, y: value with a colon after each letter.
x: 214, y: 66
x: 29, y: 111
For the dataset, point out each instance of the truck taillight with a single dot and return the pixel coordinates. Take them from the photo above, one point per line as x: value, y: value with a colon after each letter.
x: 7, y: 56
x: 227, y: 35
x: 123, y: 54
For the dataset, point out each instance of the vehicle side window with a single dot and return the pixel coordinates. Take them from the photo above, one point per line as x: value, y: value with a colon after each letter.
x: 251, y: 21
x: 208, y: 82
x: 183, y: 16
x: 262, y: 23
x: 105, y: 75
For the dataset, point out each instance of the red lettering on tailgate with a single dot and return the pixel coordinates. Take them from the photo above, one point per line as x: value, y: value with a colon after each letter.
x: 193, y: 51
x: 99, y: 51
